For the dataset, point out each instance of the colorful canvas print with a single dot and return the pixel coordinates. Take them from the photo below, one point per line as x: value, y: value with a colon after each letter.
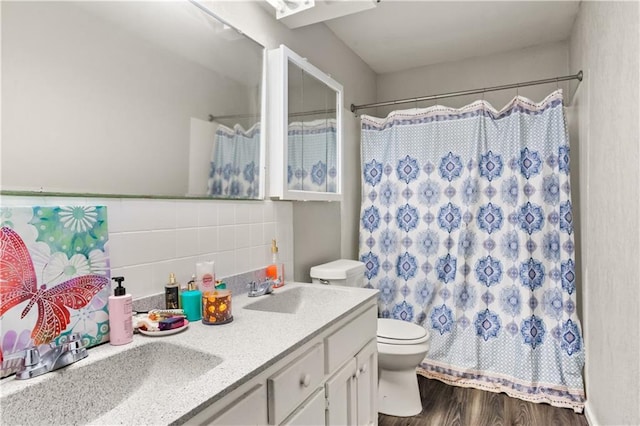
x: 54, y: 278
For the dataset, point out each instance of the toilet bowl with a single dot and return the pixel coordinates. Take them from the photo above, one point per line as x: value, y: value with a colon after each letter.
x: 401, y: 348
x: 401, y: 345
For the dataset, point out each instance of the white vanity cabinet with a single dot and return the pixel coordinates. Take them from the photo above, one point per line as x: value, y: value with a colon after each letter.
x: 305, y: 129
x: 350, y: 380
x: 329, y: 380
x: 352, y: 367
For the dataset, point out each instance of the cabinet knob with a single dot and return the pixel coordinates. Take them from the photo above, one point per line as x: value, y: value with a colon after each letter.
x: 305, y: 380
x: 363, y: 369
x: 357, y: 374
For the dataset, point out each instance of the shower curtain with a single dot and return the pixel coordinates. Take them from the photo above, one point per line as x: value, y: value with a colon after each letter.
x: 312, y: 155
x: 467, y: 230
x: 234, y: 162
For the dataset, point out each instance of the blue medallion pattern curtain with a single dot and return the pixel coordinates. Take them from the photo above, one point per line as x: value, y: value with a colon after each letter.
x: 235, y: 161
x: 467, y: 230
x: 312, y: 155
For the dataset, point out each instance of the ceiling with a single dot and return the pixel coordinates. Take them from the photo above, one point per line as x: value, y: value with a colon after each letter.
x: 398, y: 35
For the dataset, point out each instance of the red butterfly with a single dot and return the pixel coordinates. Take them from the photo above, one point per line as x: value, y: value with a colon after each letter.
x: 18, y: 283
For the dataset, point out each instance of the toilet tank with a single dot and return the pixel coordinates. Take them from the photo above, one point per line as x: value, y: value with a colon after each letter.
x: 343, y: 272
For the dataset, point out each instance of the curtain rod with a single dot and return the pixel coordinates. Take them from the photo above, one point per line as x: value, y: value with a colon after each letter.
x: 577, y: 76
x: 293, y: 114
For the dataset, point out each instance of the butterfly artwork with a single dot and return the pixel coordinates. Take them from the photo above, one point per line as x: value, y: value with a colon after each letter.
x: 57, y: 304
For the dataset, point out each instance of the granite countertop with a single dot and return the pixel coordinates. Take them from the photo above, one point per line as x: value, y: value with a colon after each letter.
x: 237, y: 352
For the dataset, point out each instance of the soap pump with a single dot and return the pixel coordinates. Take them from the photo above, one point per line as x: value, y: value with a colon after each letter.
x: 120, y: 315
x: 275, y: 271
x: 192, y: 301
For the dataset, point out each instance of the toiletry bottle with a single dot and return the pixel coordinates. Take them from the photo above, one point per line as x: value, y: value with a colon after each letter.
x: 275, y: 271
x: 192, y: 301
x: 206, y: 276
x: 120, y: 315
x: 172, y: 293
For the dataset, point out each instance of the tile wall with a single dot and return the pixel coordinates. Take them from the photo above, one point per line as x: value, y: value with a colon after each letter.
x: 148, y: 239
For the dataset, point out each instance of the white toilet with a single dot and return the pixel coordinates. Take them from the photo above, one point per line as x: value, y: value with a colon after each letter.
x: 401, y: 345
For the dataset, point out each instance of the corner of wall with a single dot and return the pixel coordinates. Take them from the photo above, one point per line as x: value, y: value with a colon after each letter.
x: 588, y: 414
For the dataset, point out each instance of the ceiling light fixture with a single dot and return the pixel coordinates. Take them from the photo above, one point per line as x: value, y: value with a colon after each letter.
x: 285, y: 8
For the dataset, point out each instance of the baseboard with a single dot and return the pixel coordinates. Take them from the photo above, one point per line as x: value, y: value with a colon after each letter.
x: 588, y: 414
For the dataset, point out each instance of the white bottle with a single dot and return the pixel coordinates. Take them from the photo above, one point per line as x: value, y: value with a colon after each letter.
x: 120, y: 315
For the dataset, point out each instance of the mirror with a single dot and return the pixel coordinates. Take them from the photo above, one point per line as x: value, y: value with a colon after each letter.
x: 129, y: 98
x: 311, y: 133
x: 308, y: 129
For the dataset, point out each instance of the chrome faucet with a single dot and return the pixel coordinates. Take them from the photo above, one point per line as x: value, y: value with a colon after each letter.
x: 260, y: 289
x: 66, y: 353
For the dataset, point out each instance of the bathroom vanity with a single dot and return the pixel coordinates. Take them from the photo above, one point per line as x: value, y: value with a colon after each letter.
x: 304, y: 355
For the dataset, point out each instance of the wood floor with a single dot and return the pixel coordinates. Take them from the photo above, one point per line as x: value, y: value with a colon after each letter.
x: 444, y: 405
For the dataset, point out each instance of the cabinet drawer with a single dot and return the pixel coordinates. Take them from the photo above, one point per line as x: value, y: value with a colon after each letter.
x: 293, y: 384
x: 346, y: 342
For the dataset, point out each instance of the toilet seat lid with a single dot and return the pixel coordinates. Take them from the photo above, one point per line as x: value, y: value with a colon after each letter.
x: 398, y: 330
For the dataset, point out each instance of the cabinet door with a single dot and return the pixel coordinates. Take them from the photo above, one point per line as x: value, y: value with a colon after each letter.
x: 311, y: 413
x: 305, y: 152
x: 342, y: 396
x: 367, y: 384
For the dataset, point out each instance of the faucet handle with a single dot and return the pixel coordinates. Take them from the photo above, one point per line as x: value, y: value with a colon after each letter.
x: 31, y: 356
x: 75, y: 343
x: 267, y: 284
x: 32, y: 364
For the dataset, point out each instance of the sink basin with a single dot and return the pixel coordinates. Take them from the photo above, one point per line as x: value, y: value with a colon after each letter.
x: 130, y: 379
x: 290, y: 301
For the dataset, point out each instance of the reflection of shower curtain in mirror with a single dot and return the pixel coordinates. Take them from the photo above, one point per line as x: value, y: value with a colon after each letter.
x: 234, y: 162
x: 312, y: 156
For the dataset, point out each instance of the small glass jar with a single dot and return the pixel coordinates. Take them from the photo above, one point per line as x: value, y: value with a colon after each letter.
x: 216, y: 307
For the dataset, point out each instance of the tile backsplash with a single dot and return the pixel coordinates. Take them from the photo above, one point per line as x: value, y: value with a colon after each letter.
x: 148, y: 239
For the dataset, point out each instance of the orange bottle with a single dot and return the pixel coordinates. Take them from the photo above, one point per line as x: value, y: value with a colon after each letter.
x: 275, y: 271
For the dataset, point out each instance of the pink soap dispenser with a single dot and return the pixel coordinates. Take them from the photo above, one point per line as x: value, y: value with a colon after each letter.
x: 120, y: 315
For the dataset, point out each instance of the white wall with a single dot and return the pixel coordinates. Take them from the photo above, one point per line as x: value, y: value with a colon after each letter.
x: 533, y: 63
x: 605, y: 44
x: 350, y: 216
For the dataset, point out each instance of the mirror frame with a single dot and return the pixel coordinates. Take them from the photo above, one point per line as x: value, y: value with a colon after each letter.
x: 278, y: 77
x: 263, y: 175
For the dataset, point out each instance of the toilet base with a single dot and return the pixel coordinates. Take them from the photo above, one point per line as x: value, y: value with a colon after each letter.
x: 398, y: 393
